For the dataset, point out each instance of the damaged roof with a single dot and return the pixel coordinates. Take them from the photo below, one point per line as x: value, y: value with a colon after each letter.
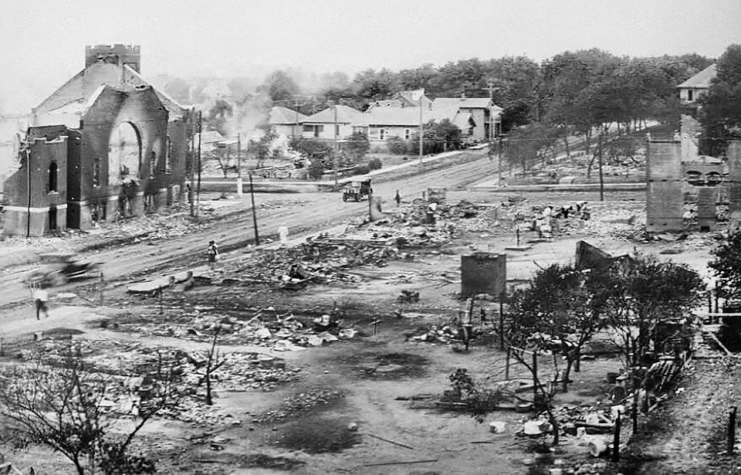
x: 74, y: 96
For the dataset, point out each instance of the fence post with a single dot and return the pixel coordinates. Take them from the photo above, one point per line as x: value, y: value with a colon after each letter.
x: 501, y: 321
x: 506, y: 367
x: 102, y: 284
x: 616, y: 440
x: 732, y: 431
x: 535, y: 375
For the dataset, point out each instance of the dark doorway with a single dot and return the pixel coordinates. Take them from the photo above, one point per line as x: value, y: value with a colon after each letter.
x: 52, y: 218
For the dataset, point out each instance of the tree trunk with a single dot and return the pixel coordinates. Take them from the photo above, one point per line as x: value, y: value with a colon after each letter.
x: 566, y: 143
x: 209, y: 399
x: 566, y: 373
x: 587, y: 136
x: 554, y: 422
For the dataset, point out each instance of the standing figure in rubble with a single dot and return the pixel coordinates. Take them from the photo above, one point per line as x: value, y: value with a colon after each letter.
x: 397, y: 198
x: 213, y: 254
x: 40, y: 297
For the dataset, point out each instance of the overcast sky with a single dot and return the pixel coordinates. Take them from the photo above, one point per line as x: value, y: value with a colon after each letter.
x: 43, y: 41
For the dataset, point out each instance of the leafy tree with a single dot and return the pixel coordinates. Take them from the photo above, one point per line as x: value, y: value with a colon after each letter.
x: 218, y: 115
x: 720, y: 112
x: 316, y: 169
x: 279, y: 86
x: 261, y: 149
x: 646, y: 292
x: 424, y: 77
x: 372, y: 85
x: 561, y: 311
x: 438, y: 137
x: 529, y: 144
x: 356, y: 147
x: 727, y: 266
x: 516, y: 83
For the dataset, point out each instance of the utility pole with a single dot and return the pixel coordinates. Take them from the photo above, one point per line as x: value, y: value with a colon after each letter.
x: 601, y: 179
x: 295, y: 127
x: 499, y: 160
x: 28, y: 179
x: 421, y: 129
x: 239, y: 165
x: 336, y: 148
x: 192, y: 161
x: 198, y: 189
x: 254, y: 212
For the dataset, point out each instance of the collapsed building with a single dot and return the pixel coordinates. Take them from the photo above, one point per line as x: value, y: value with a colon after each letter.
x: 106, y: 145
x: 676, y: 174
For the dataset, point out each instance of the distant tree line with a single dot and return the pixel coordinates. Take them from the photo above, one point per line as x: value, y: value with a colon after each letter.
x: 575, y: 93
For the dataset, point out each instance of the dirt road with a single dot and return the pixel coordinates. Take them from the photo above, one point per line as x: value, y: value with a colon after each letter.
x: 233, y: 228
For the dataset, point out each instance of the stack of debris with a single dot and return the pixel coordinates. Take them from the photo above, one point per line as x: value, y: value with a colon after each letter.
x: 281, y: 332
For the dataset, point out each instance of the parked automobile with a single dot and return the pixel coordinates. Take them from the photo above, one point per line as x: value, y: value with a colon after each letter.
x: 356, y: 190
x: 59, y: 269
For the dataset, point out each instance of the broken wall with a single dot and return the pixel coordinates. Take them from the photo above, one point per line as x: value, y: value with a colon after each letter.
x: 142, y: 109
x: 664, y: 197
x: 734, y: 185
x: 37, y: 196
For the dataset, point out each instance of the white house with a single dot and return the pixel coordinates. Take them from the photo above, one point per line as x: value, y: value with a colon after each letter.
x: 697, y: 86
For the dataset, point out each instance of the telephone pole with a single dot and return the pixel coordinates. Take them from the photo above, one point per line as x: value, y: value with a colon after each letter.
x: 239, y: 165
x: 198, y: 189
x: 601, y: 179
x: 336, y: 148
x: 421, y: 130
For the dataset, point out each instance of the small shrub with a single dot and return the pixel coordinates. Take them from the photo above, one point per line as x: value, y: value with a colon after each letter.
x: 362, y: 170
x: 316, y: 169
x: 375, y: 163
x: 396, y: 145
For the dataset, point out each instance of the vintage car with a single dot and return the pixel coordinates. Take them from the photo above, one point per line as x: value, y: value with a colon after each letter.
x: 59, y: 269
x: 356, y: 189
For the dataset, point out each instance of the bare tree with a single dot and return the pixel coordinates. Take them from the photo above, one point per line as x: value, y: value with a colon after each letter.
x: 62, y: 404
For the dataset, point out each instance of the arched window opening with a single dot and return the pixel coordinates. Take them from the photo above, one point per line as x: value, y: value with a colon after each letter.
x: 714, y: 179
x: 124, y: 154
x: 695, y: 178
x: 53, y: 177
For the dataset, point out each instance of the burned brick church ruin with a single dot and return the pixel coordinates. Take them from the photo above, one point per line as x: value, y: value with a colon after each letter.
x: 104, y: 146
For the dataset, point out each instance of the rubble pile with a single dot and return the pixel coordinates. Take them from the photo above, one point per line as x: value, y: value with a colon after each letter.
x: 300, y: 403
x: 127, y: 370
x: 280, y: 333
x: 446, y: 334
x: 321, y: 260
x: 444, y: 220
x: 154, y: 226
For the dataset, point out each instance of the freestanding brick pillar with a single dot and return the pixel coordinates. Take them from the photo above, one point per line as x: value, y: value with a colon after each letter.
x: 483, y: 273
x: 664, y: 197
x: 734, y: 186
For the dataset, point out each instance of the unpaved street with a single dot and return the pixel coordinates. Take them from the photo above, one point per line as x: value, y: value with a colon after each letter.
x: 233, y: 229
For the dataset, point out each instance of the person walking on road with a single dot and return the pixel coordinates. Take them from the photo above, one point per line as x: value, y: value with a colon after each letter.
x: 213, y: 254
x: 40, y: 297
